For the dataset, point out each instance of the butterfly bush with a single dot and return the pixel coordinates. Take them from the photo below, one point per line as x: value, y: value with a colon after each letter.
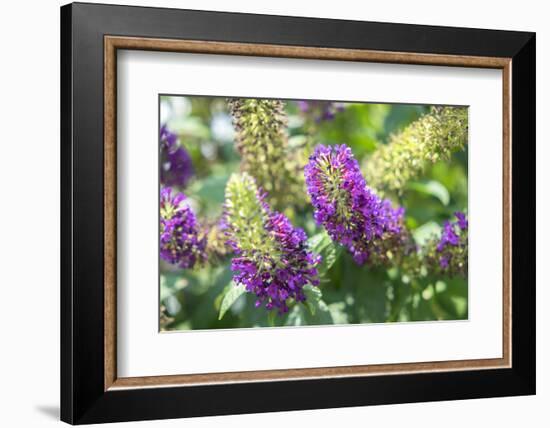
x: 449, y: 254
x: 262, y: 141
x: 176, y: 166
x: 320, y: 111
x: 353, y: 215
x: 433, y: 137
x: 181, y: 241
x: 271, y: 255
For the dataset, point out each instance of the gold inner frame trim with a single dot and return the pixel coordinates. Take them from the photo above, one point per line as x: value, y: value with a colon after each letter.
x: 113, y: 43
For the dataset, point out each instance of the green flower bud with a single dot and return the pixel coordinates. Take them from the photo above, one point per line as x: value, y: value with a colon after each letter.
x: 433, y: 137
x: 262, y: 141
x: 245, y: 216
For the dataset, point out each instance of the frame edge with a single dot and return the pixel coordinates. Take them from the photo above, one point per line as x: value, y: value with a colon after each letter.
x: 523, y: 218
x: 66, y: 316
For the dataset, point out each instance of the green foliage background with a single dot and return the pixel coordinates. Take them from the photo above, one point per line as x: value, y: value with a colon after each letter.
x: 192, y: 299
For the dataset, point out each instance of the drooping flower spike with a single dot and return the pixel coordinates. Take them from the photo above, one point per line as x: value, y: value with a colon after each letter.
x: 433, y: 137
x: 353, y: 215
x: 272, y: 259
x: 181, y: 242
x: 176, y: 167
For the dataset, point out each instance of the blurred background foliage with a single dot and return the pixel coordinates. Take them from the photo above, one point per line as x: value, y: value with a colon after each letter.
x: 191, y: 299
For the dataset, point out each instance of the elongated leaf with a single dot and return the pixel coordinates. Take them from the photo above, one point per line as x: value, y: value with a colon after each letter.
x: 234, y: 292
x: 431, y: 188
x: 313, y: 293
x: 329, y: 251
x: 313, y: 297
x: 319, y: 312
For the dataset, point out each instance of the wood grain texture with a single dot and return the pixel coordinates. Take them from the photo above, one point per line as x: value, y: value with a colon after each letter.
x: 112, y: 43
x: 507, y: 213
x: 264, y: 50
x: 109, y: 196
x: 308, y: 373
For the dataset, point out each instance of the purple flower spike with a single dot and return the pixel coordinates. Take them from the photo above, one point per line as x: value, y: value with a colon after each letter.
x: 452, y: 247
x: 180, y: 241
x: 272, y: 259
x: 347, y: 208
x: 283, y: 277
x: 176, y: 165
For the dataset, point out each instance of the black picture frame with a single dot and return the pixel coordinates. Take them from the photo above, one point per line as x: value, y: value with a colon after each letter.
x: 83, y: 398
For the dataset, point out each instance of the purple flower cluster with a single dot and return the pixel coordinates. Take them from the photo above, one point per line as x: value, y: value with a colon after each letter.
x: 452, y: 247
x: 168, y: 139
x: 278, y: 265
x: 180, y: 240
x: 176, y: 166
x: 275, y: 281
x: 353, y: 215
x: 320, y: 110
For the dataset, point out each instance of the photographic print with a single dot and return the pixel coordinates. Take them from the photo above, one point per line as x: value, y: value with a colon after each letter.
x: 280, y: 213
x: 315, y: 191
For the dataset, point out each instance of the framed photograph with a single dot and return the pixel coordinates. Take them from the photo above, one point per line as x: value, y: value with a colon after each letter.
x: 273, y: 213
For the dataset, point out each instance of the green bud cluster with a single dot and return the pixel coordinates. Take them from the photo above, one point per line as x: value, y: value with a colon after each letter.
x: 245, y: 217
x: 262, y: 141
x: 433, y: 137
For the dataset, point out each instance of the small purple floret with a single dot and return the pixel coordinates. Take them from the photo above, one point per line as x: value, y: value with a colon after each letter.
x: 448, y: 236
x: 320, y: 110
x: 461, y: 220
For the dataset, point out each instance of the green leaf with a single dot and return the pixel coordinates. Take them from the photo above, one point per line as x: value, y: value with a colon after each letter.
x: 271, y: 316
x: 322, y: 315
x: 211, y: 189
x: 313, y: 296
x: 454, y: 297
x: 234, y: 292
x: 329, y: 251
x: 296, y: 316
x: 318, y: 309
x: 317, y: 242
x: 425, y: 232
x: 312, y: 292
x: 338, y: 313
x: 171, y: 283
x: 431, y: 188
